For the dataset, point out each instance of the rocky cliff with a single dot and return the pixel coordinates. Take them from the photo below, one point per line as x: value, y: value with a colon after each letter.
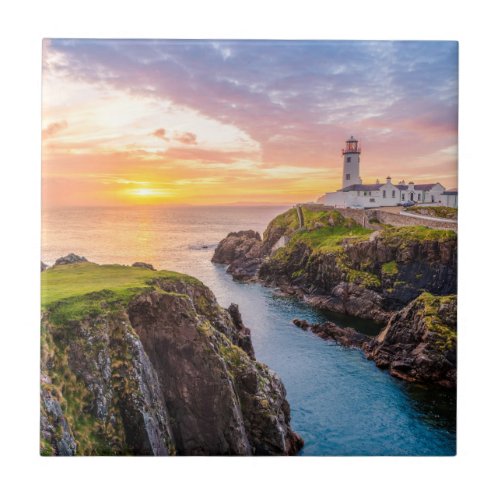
x: 335, y: 263
x: 420, y: 342
x: 144, y: 362
x: 242, y: 251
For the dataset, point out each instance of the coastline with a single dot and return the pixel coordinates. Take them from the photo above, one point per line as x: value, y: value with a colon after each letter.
x: 370, y: 276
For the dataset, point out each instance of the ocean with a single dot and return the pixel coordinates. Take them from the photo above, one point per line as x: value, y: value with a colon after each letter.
x: 341, y: 403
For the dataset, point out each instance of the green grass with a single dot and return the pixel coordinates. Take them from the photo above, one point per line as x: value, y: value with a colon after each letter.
x: 70, y: 280
x: 287, y: 220
x: 390, y: 268
x: 313, y: 216
x: 74, y: 291
x: 328, y: 238
x: 440, y: 212
x: 408, y: 234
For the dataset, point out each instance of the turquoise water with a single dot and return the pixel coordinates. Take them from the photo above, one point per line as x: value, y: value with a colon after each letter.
x: 341, y: 403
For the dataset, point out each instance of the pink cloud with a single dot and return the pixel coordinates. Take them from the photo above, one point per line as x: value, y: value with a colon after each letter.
x: 185, y: 137
x: 161, y: 133
x: 53, y: 129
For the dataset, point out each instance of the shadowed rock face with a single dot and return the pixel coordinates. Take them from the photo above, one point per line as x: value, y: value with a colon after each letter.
x: 220, y: 399
x: 354, y: 279
x: 171, y: 372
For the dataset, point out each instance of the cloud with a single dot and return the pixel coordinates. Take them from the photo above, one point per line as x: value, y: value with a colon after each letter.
x: 320, y: 92
x: 207, y: 156
x: 185, y: 137
x: 161, y: 133
x: 53, y: 128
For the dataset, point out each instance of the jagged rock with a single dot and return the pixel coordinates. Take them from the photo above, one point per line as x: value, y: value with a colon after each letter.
x: 144, y: 265
x: 242, y: 251
x: 331, y: 331
x: 344, y: 336
x: 43, y: 266
x: 243, y: 338
x: 419, y: 342
x: 301, y: 323
x: 53, y: 424
x: 71, y: 258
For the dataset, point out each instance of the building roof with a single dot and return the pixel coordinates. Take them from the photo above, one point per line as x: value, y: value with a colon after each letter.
x: 451, y: 191
x: 362, y: 187
x: 417, y: 187
x: 425, y: 187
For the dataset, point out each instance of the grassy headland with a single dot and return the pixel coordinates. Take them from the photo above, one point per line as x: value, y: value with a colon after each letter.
x: 72, y: 291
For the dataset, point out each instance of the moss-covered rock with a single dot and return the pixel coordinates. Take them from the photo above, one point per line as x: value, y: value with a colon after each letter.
x: 420, y: 342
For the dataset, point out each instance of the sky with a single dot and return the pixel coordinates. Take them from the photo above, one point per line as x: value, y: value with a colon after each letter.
x: 238, y: 122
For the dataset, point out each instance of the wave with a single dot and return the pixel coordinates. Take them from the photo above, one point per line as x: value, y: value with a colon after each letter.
x: 202, y: 246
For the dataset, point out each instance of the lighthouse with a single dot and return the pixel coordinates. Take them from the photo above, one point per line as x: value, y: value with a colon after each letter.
x: 355, y: 194
x: 351, y: 154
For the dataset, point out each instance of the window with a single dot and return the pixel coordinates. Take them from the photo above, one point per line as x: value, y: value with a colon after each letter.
x: 418, y: 196
x: 347, y: 177
x: 348, y: 159
x: 364, y: 193
x: 383, y: 193
x: 394, y: 193
x: 403, y: 197
x: 370, y: 193
x: 372, y: 200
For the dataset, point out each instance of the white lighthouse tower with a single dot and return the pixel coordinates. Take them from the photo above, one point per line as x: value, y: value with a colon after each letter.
x: 351, y: 155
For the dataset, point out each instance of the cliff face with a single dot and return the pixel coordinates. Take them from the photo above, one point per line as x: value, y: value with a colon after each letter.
x: 335, y: 263
x: 152, y: 367
x: 420, y: 341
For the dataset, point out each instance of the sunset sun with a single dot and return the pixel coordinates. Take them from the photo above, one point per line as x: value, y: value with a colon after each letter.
x: 144, y: 192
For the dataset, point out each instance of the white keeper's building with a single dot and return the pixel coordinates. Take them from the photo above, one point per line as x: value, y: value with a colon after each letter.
x: 355, y: 194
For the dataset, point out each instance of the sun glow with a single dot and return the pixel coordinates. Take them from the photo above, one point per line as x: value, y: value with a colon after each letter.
x: 148, y: 195
x: 144, y: 192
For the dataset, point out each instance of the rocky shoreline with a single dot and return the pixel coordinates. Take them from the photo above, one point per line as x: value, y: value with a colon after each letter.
x: 383, y: 274
x: 417, y: 345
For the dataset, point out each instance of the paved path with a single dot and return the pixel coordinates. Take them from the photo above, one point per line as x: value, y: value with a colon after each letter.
x: 300, y: 215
